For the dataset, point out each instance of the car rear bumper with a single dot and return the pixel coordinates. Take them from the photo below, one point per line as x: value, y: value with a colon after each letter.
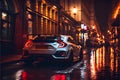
x: 46, y: 54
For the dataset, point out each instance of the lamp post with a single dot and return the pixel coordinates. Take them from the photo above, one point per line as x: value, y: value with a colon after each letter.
x: 83, y: 30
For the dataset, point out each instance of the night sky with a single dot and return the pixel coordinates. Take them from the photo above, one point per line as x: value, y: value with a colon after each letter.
x: 102, y: 11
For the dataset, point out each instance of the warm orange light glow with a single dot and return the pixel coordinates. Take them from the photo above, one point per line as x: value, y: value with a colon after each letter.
x: 103, y: 37
x: 74, y: 11
x: 29, y: 16
x: 93, y: 67
x: 54, y: 7
x: 98, y: 35
x: 108, y: 32
x: 116, y: 11
x: 93, y: 27
x: 4, y: 15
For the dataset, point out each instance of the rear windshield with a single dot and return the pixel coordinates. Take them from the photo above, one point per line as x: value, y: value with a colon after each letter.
x: 45, y: 39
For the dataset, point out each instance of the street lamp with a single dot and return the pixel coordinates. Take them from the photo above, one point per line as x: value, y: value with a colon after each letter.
x: 74, y: 11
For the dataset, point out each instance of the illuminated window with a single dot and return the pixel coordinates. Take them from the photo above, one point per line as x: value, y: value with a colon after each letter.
x: 29, y: 16
x: 30, y: 24
x: 41, y: 17
x: 4, y: 16
x: 7, y: 20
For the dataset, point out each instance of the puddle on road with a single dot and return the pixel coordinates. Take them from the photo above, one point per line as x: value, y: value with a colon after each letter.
x: 103, y: 64
x: 99, y: 64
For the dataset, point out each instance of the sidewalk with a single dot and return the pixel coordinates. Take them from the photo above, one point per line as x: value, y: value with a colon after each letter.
x: 10, y: 58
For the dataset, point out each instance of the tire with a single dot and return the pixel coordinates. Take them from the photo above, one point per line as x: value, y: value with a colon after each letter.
x: 70, y: 59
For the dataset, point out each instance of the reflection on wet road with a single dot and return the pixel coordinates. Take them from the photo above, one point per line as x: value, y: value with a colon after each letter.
x: 104, y: 64
x: 97, y: 64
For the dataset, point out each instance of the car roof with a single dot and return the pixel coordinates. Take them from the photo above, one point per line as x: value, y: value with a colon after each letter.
x: 52, y: 35
x: 66, y: 37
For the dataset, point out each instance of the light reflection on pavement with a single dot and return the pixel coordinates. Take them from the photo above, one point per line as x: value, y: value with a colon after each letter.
x: 98, y: 64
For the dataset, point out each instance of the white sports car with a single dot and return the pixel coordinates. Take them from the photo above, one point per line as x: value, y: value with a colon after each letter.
x: 61, y: 47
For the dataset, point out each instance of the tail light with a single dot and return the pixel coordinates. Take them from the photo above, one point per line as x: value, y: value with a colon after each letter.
x: 59, y: 77
x: 24, y: 75
x: 61, y: 44
x: 29, y: 43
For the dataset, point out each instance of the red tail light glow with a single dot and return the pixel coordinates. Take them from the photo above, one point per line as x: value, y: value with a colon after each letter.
x: 29, y: 43
x: 59, y: 77
x: 61, y: 44
x: 24, y: 75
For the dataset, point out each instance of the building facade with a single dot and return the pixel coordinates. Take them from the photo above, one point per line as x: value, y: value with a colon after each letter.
x: 114, y: 23
x: 22, y: 18
x: 83, y: 13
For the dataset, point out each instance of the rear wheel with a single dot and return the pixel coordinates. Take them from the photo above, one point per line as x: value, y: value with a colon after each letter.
x: 70, y: 59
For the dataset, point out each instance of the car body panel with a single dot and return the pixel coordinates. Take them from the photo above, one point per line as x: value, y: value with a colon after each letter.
x: 52, y: 48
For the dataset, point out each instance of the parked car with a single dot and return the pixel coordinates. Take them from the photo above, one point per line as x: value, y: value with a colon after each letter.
x: 61, y: 47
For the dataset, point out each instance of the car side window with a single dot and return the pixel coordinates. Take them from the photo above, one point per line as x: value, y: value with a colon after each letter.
x: 70, y: 40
